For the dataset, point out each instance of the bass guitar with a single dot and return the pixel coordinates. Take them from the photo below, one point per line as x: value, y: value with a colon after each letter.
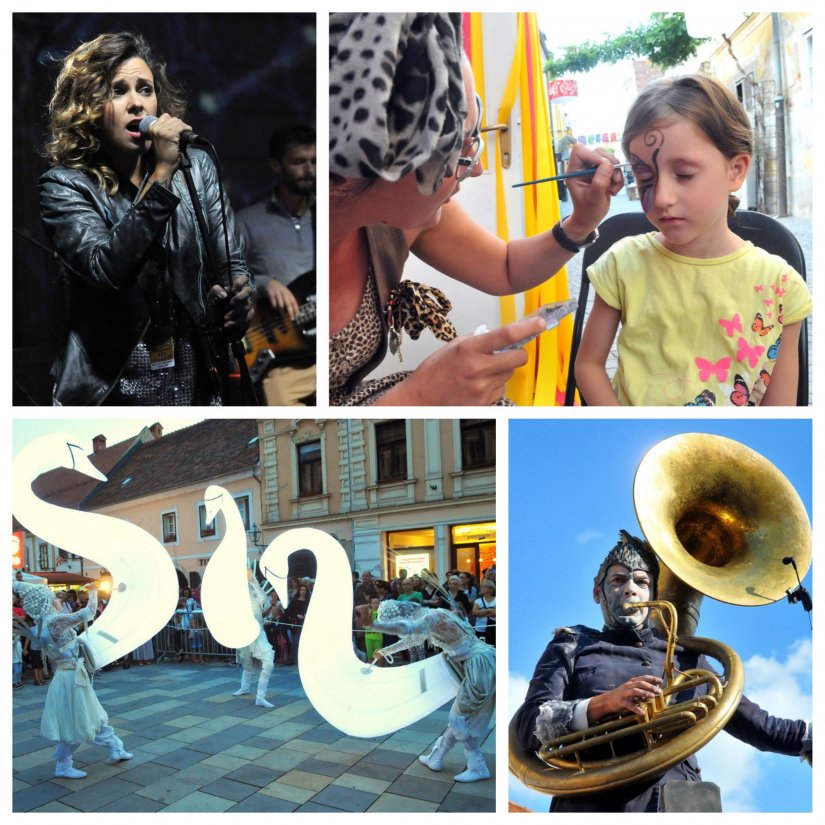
x: 274, y: 336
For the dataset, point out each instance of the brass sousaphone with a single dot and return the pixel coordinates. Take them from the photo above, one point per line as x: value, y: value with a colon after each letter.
x: 721, y: 518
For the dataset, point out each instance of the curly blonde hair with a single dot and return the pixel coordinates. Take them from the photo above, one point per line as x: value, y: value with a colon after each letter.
x: 83, y: 87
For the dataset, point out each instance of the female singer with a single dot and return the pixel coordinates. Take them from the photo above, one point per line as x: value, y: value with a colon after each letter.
x: 145, y: 324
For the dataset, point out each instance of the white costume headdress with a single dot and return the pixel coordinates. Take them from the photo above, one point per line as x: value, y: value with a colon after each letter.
x: 37, y: 599
x: 391, y: 610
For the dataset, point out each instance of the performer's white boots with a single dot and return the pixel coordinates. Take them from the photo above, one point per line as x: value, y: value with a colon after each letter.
x: 105, y: 738
x: 63, y: 768
x: 246, y: 681
x: 476, y: 766
x: 434, y: 760
x: 263, y: 684
x: 457, y: 732
x: 116, y: 752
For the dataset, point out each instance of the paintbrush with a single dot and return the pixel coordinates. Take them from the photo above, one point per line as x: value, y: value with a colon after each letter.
x: 579, y: 173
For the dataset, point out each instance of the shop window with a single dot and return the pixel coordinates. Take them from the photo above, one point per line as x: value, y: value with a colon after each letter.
x: 411, y: 550
x: 474, y: 547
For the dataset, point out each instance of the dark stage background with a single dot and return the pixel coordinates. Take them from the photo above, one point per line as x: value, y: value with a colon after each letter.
x: 244, y: 75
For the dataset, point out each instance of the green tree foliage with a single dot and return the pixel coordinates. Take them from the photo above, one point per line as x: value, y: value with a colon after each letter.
x: 664, y: 40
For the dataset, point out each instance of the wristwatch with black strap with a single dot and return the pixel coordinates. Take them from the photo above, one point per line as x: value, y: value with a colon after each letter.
x: 570, y: 245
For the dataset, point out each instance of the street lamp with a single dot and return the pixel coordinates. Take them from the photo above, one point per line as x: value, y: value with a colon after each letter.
x: 255, y: 536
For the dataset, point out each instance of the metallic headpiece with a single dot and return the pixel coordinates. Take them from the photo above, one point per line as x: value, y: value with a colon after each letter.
x: 632, y: 552
x: 36, y: 598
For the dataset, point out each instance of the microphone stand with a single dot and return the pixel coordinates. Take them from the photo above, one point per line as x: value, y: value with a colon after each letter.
x: 217, y: 365
x: 799, y: 593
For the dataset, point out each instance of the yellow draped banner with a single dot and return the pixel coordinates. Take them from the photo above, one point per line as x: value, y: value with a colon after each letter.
x: 542, y: 381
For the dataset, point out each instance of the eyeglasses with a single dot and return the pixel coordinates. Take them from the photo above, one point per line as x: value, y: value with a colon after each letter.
x: 466, y: 163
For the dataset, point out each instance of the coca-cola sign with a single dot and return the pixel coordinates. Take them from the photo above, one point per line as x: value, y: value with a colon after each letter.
x: 562, y: 88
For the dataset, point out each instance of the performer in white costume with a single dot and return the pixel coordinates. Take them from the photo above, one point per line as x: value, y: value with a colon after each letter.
x: 260, y: 649
x: 472, y: 659
x: 72, y: 715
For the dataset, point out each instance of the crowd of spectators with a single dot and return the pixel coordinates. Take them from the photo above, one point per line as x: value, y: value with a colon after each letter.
x: 186, y: 636
x: 458, y: 593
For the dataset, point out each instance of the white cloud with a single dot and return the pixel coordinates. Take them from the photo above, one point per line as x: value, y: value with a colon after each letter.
x: 800, y: 659
x: 517, y: 690
x: 735, y: 767
x: 783, y: 688
x: 587, y: 536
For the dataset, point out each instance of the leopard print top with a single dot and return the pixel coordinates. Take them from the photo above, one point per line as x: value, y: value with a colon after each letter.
x: 412, y: 307
x: 353, y: 347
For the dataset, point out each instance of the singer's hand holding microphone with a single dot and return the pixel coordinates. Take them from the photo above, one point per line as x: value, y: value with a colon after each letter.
x: 167, y: 134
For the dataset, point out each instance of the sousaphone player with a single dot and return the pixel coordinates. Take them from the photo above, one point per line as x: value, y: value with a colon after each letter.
x: 649, y: 704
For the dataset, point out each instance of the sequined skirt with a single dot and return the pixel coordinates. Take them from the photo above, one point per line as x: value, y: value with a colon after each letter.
x: 180, y: 385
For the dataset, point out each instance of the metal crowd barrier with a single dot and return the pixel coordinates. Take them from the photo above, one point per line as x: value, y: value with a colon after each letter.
x: 182, y: 637
x: 187, y: 635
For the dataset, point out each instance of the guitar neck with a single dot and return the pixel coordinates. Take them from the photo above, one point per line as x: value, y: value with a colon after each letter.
x: 307, y: 312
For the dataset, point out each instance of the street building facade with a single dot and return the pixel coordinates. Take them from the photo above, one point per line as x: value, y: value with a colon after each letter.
x: 396, y: 493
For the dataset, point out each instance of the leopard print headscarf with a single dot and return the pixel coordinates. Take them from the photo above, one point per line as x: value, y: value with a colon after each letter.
x: 396, y: 96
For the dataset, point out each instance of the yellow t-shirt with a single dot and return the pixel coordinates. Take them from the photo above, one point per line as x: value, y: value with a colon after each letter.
x: 697, y: 331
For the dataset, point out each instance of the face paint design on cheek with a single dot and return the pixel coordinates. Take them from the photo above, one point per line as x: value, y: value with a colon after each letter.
x: 654, y: 139
x: 646, y: 179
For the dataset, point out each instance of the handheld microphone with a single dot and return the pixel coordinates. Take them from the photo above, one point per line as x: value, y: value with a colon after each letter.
x: 184, y: 139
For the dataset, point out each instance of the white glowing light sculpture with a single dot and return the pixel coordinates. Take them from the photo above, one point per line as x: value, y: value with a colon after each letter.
x: 144, y: 583
x: 357, y: 699
x: 224, y: 590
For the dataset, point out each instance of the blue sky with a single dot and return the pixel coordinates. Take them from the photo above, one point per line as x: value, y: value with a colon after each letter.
x: 563, y: 519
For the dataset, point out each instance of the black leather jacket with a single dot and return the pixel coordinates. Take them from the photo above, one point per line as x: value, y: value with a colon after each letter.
x: 117, y: 252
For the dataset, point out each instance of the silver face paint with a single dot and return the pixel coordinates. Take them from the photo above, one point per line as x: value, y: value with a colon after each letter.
x: 622, y: 585
x: 631, y: 552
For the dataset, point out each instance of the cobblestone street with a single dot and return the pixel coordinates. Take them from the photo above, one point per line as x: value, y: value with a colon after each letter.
x: 199, y: 748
